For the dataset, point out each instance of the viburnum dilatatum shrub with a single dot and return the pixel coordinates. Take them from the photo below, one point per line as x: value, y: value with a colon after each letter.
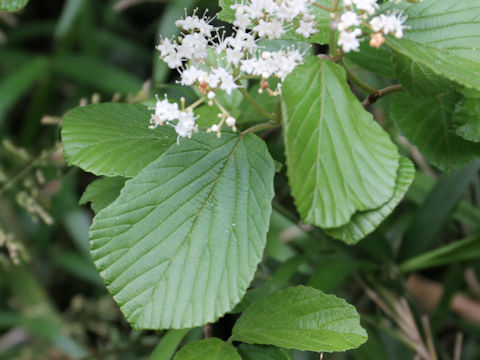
x: 185, y: 200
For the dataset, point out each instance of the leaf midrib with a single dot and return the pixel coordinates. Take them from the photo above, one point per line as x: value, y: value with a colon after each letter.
x: 188, y: 237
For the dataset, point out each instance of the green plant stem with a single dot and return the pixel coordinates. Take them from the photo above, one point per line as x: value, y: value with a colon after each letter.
x: 260, y: 127
x: 323, y: 7
x: 252, y: 101
x: 332, y: 45
x: 355, y: 80
x: 373, y: 98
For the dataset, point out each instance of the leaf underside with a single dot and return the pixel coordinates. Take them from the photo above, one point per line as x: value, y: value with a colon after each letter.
x: 12, y: 5
x: 340, y: 160
x: 363, y: 223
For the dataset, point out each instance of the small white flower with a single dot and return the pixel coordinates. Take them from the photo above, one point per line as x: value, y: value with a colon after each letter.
x: 212, y: 80
x: 230, y: 121
x: 272, y: 29
x: 227, y: 81
x: 369, y: 6
x: 348, y: 40
x: 306, y: 28
x: 191, y: 75
x: 166, y: 47
x: 194, y: 46
x: 347, y: 20
x: 164, y: 111
x: 186, y: 126
x: 242, y: 19
x: 191, y: 23
x: 234, y: 55
x: 376, y: 23
x: 173, y: 60
x: 211, y: 95
x: 389, y: 24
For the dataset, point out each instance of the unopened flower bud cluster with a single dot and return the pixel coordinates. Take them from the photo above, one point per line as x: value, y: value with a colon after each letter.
x: 239, y: 54
x: 358, y: 13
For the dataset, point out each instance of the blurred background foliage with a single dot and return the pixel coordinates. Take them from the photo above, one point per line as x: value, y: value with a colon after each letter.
x: 414, y: 280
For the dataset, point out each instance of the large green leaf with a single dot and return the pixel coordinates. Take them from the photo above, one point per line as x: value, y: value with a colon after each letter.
x: 12, y: 5
x: 322, y: 18
x: 340, y: 161
x: 102, y: 192
x: 448, y: 25
x: 440, y: 62
x: 262, y: 352
x: 113, y: 139
x: 180, y: 245
x: 453, y: 27
x: 427, y: 124
x: 419, y: 80
x: 210, y: 349
x: 363, y: 223
x: 302, y: 318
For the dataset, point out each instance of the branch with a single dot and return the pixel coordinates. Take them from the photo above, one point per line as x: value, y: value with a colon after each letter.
x: 252, y: 101
x: 373, y: 98
x: 261, y: 127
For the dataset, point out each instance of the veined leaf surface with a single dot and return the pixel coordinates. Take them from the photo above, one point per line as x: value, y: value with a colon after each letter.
x: 180, y: 245
x: 340, y: 160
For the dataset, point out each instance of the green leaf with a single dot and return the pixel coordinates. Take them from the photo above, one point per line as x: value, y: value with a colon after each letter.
x: 210, y: 349
x: 463, y: 250
x: 363, y: 223
x: 448, y: 25
x: 201, y: 207
x: 427, y: 124
x: 102, y: 192
x: 339, y: 159
x: 322, y: 19
x: 113, y: 139
x: 418, y: 79
x: 467, y: 119
x: 442, y: 40
x: 453, y: 67
x: 261, y: 352
x: 435, y: 211
x: 12, y: 5
x: 302, y: 318
x: 19, y: 81
x: 67, y: 20
x: 99, y: 75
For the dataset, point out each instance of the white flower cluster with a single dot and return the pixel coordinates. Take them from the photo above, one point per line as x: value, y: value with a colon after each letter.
x: 167, y: 112
x: 239, y: 55
x: 360, y: 12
